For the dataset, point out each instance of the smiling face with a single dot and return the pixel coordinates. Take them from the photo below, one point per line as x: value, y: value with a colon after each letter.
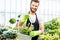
x: 34, y: 6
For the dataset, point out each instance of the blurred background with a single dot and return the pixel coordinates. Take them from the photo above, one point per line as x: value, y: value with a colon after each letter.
x: 47, y: 10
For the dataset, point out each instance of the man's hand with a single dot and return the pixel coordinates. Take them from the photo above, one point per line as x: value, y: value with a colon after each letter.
x: 22, y: 20
x: 24, y: 17
x: 35, y: 33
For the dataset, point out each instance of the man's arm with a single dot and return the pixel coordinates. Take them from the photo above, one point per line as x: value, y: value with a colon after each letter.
x: 19, y: 24
x: 41, y: 27
x: 38, y: 32
x: 23, y: 18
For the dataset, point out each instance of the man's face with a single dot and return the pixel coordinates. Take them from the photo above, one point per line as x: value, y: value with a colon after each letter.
x: 34, y: 6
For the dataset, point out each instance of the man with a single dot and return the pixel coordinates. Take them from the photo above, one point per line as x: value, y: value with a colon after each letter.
x: 33, y: 18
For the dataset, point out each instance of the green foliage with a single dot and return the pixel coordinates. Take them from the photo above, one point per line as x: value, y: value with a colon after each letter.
x: 52, y: 30
x: 2, y: 29
x: 9, y: 34
x: 12, y: 20
x: 25, y: 30
x: 49, y: 37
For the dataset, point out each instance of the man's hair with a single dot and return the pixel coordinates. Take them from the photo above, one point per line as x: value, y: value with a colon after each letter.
x: 37, y: 1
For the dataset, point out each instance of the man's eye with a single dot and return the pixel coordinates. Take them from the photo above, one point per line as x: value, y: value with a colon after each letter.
x: 33, y: 5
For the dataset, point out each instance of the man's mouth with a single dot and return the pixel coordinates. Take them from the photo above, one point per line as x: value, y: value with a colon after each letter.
x: 33, y: 9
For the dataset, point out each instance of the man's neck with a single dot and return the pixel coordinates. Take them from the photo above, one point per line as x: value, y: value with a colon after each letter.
x: 32, y: 13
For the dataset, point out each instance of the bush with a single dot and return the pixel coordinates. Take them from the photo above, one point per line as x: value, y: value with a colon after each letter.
x: 52, y: 30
